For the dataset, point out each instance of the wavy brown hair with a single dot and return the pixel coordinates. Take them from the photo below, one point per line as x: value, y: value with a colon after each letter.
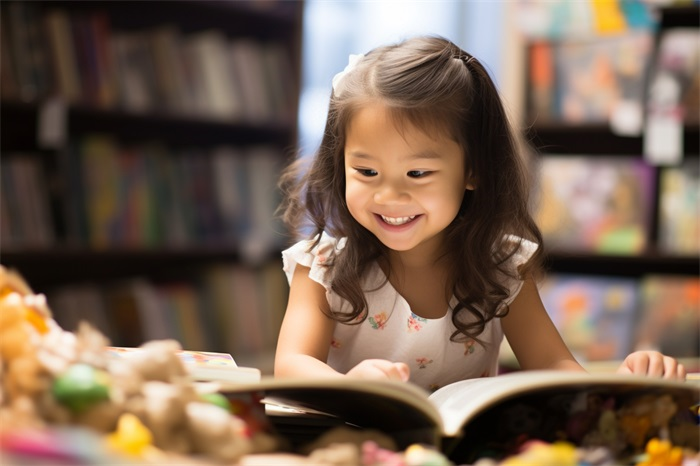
x: 433, y: 84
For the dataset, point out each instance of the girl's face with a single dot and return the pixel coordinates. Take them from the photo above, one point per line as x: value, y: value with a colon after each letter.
x: 404, y: 186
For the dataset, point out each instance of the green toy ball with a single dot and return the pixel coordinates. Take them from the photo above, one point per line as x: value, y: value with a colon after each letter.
x: 80, y: 387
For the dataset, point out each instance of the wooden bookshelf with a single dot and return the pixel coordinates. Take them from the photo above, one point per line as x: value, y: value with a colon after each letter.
x: 598, y: 139
x: 50, y: 268
x: 631, y: 266
x: 271, y: 27
x: 19, y: 128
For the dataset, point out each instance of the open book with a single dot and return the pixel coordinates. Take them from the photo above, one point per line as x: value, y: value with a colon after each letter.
x: 494, y: 416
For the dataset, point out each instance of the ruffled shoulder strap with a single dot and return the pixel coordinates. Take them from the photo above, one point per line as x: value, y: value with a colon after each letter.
x: 314, y: 258
x: 522, y: 255
x: 526, y: 250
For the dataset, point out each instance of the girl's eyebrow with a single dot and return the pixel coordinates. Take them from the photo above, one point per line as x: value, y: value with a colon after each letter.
x: 427, y: 154
x: 360, y: 155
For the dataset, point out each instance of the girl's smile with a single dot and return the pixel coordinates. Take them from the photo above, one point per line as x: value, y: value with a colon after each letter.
x: 397, y: 220
x: 402, y: 184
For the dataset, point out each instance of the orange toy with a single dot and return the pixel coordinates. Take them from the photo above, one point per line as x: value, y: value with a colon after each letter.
x: 662, y: 453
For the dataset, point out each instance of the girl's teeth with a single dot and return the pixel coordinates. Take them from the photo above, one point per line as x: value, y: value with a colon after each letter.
x: 398, y: 220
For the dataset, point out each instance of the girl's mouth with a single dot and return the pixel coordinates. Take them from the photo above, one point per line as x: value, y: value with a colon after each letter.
x: 397, y: 221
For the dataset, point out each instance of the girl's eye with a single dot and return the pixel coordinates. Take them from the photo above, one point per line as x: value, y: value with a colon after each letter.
x: 418, y: 173
x: 367, y: 171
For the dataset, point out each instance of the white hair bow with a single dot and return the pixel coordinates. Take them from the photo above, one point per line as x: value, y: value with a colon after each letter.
x: 353, y: 60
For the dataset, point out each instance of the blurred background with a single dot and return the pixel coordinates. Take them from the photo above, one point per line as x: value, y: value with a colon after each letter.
x: 141, y: 144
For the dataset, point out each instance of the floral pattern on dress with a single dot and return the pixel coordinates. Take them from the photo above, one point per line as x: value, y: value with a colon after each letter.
x: 415, y: 323
x: 335, y: 343
x: 469, y: 347
x: 378, y: 321
x: 423, y: 362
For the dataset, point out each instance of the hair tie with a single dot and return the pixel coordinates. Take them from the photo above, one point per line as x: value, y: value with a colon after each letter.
x: 466, y: 58
x: 353, y: 60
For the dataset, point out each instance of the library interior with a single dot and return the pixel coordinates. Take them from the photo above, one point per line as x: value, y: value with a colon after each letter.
x: 141, y: 149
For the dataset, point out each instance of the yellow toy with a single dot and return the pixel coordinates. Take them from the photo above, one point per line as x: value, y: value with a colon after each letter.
x: 131, y: 437
x: 543, y: 454
x: 662, y: 453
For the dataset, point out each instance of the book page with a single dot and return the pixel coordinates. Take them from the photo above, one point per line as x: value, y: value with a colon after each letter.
x: 462, y: 401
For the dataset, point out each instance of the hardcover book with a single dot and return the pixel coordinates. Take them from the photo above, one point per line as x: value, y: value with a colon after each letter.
x: 203, y: 366
x: 494, y: 416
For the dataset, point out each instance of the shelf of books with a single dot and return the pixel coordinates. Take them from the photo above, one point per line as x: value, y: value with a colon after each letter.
x: 142, y: 144
x: 612, y: 113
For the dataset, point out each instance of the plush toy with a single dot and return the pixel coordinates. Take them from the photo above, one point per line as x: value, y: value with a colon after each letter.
x: 644, y: 417
x: 29, y: 340
x: 143, y: 406
x: 662, y: 453
x: 544, y: 454
x: 348, y: 435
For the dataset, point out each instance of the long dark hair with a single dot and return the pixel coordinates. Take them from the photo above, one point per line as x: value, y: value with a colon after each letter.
x: 435, y: 85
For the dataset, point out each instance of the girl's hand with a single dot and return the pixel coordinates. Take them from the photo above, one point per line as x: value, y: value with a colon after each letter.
x: 652, y: 364
x: 380, y: 369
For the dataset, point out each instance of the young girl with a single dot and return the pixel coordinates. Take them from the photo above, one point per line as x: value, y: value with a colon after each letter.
x: 422, y: 253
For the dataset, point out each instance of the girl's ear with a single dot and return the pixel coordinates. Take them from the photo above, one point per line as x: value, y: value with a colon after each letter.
x: 471, y: 183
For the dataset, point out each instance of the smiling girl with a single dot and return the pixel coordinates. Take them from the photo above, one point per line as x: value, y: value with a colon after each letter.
x: 422, y: 252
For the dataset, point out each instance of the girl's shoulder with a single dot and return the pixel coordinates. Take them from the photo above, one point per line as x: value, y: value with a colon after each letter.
x: 311, y: 254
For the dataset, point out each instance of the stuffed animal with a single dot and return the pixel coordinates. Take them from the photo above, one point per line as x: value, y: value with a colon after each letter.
x: 144, y: 406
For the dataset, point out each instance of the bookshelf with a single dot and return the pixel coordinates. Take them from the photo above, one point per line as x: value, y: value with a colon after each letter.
x: 598, y: 140
x: 208, y: 85
x: 622, y: 270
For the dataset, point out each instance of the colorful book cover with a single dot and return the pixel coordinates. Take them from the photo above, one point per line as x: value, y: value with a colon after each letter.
x: 542, y: 103
x: 593, y: 314
x: 673, y: 99
x: 602, y: 80
x: 679, y: 208
x: 595, y: 204
x: 670, y: 316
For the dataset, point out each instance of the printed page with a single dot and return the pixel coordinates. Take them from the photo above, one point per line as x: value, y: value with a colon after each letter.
x: 460, y: 402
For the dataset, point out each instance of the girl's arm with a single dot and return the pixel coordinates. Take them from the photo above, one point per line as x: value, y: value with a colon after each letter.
x: 538, y: 345
x: 305, y: 337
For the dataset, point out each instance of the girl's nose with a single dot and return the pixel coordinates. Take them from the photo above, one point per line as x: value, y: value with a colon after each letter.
x: 391, y: 193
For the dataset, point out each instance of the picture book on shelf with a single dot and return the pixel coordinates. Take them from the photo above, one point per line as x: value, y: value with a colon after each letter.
x: 493, y: 416
x: 669, y: 320
x: 595, y: 315
x: 590, y: 80
x: 672, y: 101
x: 600, y: 205
x: 602, y: 79
x: 203, y: 366
x: 679, y: 208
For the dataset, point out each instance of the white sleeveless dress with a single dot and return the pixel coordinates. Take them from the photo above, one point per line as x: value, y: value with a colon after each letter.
x: 391, y: 331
